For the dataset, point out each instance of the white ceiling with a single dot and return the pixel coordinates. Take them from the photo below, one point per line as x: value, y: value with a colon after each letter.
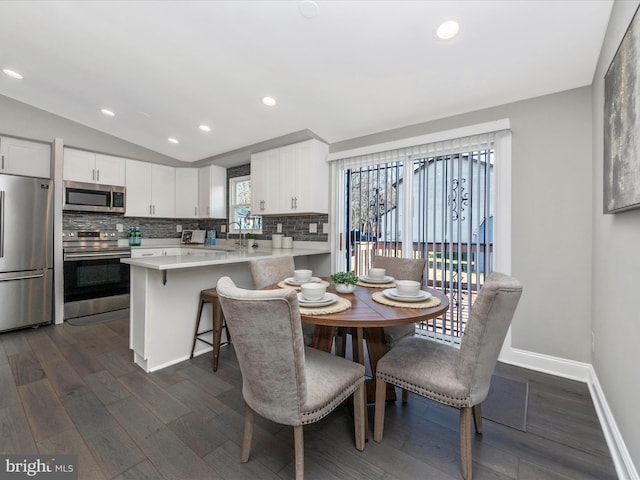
x: 357, y: 68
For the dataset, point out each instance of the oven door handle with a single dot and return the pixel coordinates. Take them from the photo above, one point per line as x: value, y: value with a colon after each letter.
x: 96, y: 256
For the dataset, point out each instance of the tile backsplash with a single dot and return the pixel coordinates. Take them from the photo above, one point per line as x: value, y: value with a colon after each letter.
x: 293, y: 226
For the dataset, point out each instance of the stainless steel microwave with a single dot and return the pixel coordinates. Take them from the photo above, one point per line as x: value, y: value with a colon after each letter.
x: 90, y: 197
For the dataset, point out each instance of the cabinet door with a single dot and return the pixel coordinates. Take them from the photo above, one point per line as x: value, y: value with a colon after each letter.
x: 218, y: 191
x: 186, y: 192
x: 146, y: 252
x: 212, y: 192
x: 310, y: 178
x: 289, y: 177
x: 163, y: 193
x: 110, y: 170
x: 265, y: 182
x: 20, y: 157
x: 79, y: 166
x: 138, y: 183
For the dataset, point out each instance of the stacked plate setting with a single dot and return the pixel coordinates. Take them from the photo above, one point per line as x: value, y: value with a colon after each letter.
x: 381, y: 281
x: 392, y: 294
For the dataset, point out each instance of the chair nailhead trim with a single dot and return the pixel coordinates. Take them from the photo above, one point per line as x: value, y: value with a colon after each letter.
x: 439, y: 397
x: 324, y: 410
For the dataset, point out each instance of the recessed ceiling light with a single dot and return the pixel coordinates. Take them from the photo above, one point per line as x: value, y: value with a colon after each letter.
x: 172, y: 140
x: 12, y: 73
x: 308, y: 8
x: 108, y: 112
x: 448, y: 29
x: 269, y: 101
x: 204, y: 128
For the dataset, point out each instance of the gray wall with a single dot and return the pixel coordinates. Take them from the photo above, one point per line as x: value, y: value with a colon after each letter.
x: 21, y: 120
x: 616, y: 263
x: 551, y: 215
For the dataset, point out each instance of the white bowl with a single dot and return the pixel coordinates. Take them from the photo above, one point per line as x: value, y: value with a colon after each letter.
x: 377, y: 273
x: 302, y: 275
x: 313, y: 291
x: 407, y: 288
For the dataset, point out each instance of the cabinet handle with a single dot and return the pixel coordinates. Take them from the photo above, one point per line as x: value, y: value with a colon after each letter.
x: 295, y: 202
x: 93, y: 174
x: 195, y: 211
x: 2, y: 162
x: 97, y: 175
x: 150, y: 212
x: 154, y: 209
x: 262, y: 205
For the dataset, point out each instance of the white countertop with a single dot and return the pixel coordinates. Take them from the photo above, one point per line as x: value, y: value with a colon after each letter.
x: 205, y: 255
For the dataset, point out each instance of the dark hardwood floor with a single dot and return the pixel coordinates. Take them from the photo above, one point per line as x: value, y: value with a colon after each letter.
x: 75, y: 389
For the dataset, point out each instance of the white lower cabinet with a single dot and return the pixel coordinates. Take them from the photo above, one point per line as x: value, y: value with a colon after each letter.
x: 146, y: 252
x: 150, y: 190
x: 165, y: 252
x: 291, y: 180
x: 22, y: 157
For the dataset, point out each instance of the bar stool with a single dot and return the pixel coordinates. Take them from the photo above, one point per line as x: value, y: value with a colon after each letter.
x: 211, y: 296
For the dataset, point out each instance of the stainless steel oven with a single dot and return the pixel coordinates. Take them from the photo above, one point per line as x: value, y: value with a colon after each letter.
x: 95, y: 281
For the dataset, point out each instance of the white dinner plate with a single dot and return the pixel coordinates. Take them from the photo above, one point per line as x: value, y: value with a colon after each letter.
x: 393, y: 294
x: 328, y: 299
x: 293, y: 281
x: 385, y: 279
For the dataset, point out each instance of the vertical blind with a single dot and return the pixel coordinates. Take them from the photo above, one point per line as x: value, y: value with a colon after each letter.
x: 431, y: 200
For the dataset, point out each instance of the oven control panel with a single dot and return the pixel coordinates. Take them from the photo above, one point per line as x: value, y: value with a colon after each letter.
x: 89, y: 235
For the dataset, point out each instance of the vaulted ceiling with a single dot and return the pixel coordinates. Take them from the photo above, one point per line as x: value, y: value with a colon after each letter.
x: 341, y: 69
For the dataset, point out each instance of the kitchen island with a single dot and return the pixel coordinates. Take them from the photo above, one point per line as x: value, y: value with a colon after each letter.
x: 165, y: 292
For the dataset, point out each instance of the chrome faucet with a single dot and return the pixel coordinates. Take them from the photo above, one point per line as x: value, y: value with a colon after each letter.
x: 243, y: 239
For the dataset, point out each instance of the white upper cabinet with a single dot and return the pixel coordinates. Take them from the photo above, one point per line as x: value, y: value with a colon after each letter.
x: 89, y: 167
x: 291, y: 180
x: 212, y: 192
x: 150, y: 190
x: 187, y: 193
x: 21, y: 157
x: 265, y: 183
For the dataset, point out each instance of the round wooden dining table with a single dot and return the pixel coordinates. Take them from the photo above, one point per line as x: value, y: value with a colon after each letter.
x: 365, y: 320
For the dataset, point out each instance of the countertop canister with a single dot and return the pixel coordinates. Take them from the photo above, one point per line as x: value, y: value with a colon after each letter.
x: 287, y: 242
x: 276, y: 240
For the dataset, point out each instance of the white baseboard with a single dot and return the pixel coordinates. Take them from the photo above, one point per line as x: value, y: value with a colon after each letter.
x: 582, y: 372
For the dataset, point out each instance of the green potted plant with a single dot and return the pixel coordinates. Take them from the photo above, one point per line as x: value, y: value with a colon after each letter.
x: 251, y: 240
x: 345, y: 282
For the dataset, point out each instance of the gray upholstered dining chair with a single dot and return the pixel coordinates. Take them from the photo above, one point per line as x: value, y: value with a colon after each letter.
x: 457, y: 377
x: 267, y: 271
x: 282, y: 380
x: 400, y: 269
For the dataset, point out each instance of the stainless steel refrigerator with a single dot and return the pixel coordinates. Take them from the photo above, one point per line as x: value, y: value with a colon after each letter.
x: 26, y: 251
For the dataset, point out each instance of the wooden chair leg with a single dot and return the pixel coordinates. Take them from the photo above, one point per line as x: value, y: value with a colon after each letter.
x: 405, y: 395
x: 466, y: 461
x: 477, y: 417
x: 378, y: 422
x: 248, y: 434
x: 298, y: 442
x: 216, y: 309
x: 359, y: 411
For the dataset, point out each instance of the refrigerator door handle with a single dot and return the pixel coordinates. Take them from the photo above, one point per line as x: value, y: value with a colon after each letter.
x: 1, y: 223
x: 10, y: 277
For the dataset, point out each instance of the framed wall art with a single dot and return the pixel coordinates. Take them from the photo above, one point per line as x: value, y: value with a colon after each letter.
x: 622, y: 125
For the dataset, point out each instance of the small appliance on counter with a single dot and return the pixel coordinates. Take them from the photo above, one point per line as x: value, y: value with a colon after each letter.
x: 193, y: 236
